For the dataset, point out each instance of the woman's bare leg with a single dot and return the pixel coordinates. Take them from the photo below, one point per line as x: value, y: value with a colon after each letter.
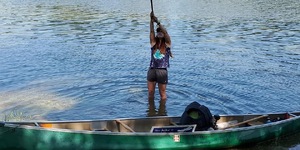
x: 151, y: 90
x: 162, y: 91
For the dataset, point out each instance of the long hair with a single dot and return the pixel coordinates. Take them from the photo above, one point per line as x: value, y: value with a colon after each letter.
x: 163, y: 41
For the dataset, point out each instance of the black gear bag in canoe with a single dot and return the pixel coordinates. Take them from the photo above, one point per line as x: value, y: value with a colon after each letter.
x: 198, y: 114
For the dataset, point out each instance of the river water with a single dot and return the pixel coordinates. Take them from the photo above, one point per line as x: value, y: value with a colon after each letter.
x: 88, y: 59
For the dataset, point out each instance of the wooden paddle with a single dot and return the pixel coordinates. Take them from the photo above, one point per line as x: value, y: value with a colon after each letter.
x: 247, y: 121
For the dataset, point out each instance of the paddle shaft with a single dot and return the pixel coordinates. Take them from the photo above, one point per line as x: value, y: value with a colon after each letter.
x: 152, y: 6
x: 247, y: 121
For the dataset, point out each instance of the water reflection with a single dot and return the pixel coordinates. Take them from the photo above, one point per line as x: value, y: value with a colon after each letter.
x: 152, y: 109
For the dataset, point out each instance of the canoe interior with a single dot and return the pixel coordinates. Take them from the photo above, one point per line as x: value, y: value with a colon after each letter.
x: 145, y: 124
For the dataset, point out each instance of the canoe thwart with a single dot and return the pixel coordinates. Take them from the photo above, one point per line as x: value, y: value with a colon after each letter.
x: 173, y: 123
x: 125, y: 126
x: 36, y: 124
x: 292, y: 115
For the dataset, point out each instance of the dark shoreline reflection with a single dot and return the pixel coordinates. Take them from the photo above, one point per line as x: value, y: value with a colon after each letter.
x: 151, y: 112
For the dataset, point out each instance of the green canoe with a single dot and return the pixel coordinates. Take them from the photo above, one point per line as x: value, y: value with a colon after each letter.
x: 145, y: 133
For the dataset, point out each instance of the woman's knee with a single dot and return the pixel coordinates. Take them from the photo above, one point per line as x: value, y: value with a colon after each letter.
x: 163, y: 94
x: 163, y: 97
x: 151, y: 92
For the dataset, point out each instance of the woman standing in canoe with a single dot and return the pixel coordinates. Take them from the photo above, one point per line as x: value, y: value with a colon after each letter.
x: 160, y: 54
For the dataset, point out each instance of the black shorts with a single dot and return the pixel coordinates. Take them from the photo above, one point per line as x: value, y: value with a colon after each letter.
x: 159, y: 75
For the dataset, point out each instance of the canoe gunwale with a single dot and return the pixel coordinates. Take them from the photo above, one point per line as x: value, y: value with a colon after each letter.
x: 138, y: 118
x: 13, y: 125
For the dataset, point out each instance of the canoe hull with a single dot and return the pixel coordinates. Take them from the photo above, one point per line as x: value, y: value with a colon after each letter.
x: 37, y: 138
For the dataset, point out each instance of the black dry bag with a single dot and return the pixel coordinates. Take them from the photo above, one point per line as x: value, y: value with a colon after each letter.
x: 197, y: 114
